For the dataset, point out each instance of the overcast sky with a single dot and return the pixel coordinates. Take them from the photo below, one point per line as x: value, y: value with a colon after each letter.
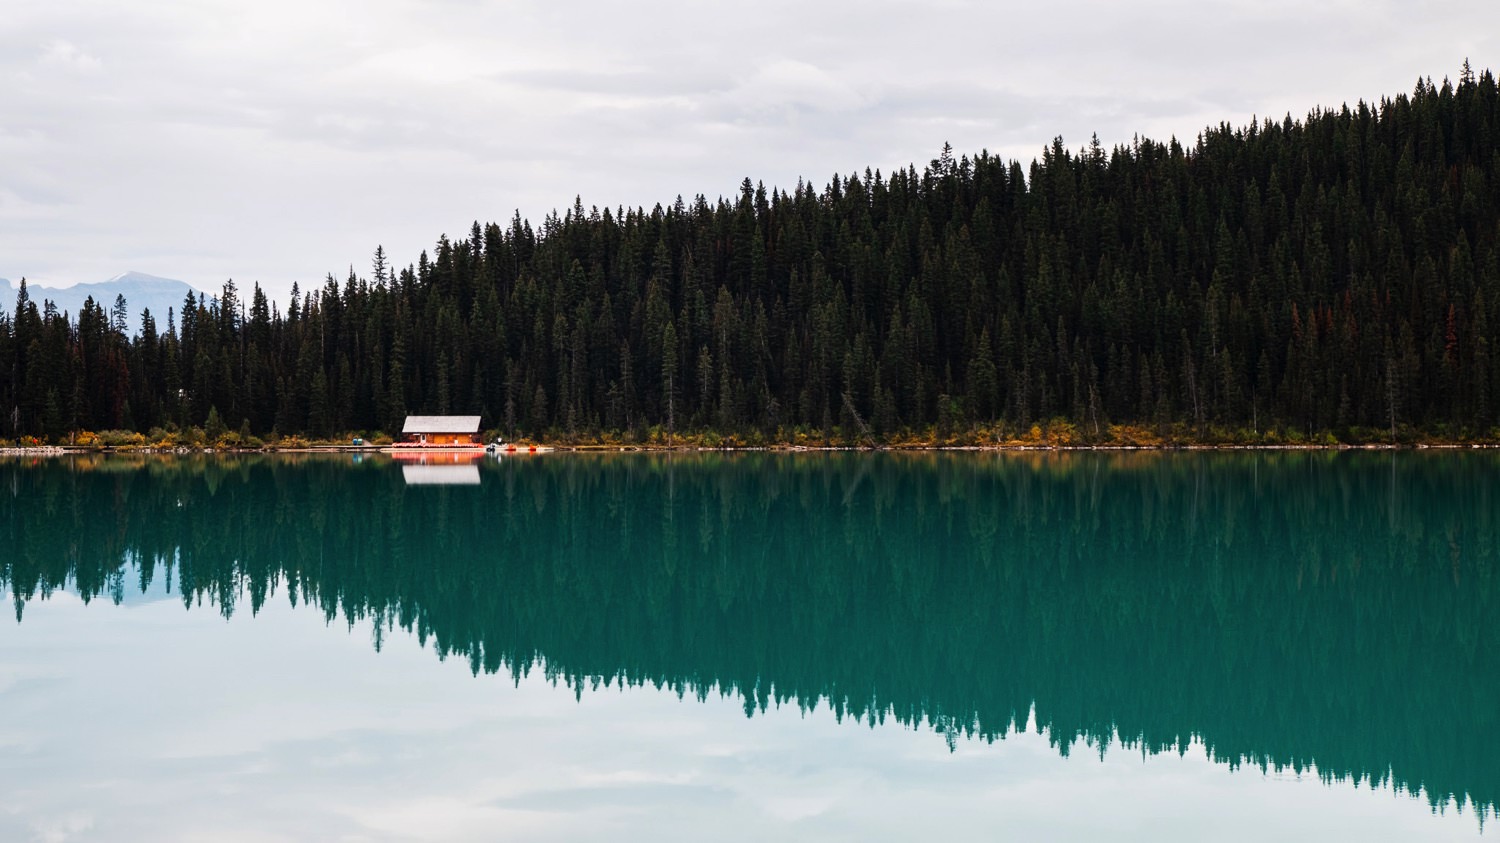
x: 278, y: 141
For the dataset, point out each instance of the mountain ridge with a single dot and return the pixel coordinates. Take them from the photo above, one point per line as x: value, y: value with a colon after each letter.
x: 142, y: 291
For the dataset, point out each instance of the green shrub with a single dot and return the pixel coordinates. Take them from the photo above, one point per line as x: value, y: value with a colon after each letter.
x: 121, y: 438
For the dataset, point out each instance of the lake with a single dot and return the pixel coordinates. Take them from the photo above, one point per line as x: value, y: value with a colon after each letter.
x: 746, y: 646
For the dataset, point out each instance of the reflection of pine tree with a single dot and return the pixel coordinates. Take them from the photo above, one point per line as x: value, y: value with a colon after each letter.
x: 952, y: 591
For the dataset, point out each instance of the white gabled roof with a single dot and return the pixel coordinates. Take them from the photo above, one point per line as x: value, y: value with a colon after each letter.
x: 441, y: 424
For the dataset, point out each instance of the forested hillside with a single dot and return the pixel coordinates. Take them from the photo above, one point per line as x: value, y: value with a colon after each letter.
x: 1339, y: 274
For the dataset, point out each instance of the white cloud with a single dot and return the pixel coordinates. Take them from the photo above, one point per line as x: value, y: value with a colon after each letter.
x: 65, y: 55
x: 788, y: 83
x: 58, y: 829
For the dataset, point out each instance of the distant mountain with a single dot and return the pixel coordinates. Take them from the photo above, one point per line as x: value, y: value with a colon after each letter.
x: 141, y: 292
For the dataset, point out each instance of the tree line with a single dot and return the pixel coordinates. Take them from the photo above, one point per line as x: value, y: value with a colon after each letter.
x: 1338, y: 273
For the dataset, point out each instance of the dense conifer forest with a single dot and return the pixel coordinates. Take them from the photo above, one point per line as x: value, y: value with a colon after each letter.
x: 1334, y: 276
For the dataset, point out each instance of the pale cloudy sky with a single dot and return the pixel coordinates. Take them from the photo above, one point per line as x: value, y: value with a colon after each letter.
x: 278, y: 141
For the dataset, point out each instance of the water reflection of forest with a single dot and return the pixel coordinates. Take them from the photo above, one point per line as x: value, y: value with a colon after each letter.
x: 1286, y: 609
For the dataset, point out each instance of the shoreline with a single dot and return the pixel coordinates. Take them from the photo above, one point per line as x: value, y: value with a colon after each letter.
x: 72, y: 450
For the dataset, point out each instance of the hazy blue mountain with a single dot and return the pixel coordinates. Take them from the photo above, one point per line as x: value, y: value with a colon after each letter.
x: 141, y: 292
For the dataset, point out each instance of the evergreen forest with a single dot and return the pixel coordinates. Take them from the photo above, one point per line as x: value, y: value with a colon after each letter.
x: 1333, y: 277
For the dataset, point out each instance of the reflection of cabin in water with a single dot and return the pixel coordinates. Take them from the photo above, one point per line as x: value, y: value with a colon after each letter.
x: 441, y: 431
x: 441, y: 475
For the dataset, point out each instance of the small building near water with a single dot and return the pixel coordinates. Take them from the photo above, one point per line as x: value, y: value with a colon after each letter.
x: 440, y: 431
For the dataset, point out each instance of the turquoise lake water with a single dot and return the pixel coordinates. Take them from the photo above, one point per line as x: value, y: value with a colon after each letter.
x: 811, y: 646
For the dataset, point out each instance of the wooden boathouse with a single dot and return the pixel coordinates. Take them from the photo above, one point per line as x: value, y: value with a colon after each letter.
x: 441, y: 431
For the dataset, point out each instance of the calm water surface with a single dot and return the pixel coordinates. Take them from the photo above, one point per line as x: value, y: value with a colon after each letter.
x: 1137, y: 646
